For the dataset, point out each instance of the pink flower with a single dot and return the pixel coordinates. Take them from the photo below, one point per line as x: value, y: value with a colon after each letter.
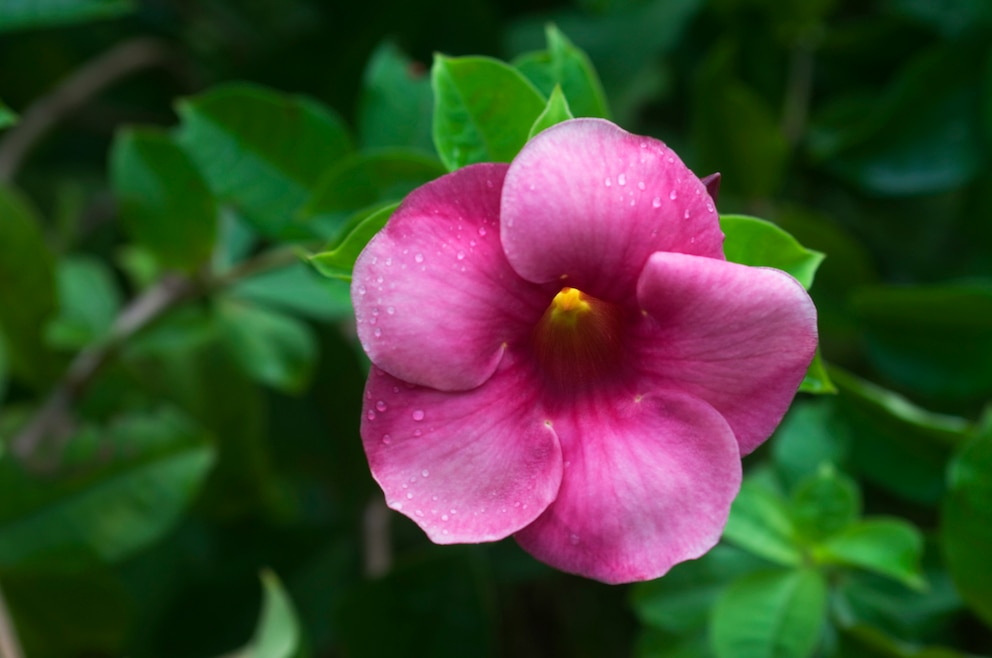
x: 561, y: 353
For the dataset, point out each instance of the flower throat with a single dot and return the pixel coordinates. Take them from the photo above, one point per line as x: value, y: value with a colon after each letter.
x: 578, y: 340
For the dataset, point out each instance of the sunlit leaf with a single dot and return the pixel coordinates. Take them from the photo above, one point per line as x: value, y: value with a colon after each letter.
x: 889, y: 547
x: 760, y: 523
x: 483, y: 110
x: 277, y: 634
x: 296, y: 289
x: 338, y: 262
x: 89, y: 300
x: 825, y: 503
x: 260, y: 150
x: 556, y: 111
x: 565, y: 66
x: 770, y: 614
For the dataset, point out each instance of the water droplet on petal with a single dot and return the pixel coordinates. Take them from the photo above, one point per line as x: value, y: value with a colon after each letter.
x: 673, y: 195
x: 444, y: 517
x: 381, y: 405
x: 482, y: 230
x: 386, y: 439
x: 390, y: 309
x: 640, y: 185
x: 622, y: 179
x: 418, y: 415
x: 573, y: 539
x: 419, y: 258
x: 460, y: 255
x: 607, y: 182
x: 424, y: 473
x: 656, y: 203
x: 361, y: 290
x: 686, y: 214
x: 377, y: 333
x: 370, y: 415
x: 417, y: 432
x: 409, y: 496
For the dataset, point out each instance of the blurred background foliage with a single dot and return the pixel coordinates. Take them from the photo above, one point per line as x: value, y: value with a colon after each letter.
x: 180, y: 467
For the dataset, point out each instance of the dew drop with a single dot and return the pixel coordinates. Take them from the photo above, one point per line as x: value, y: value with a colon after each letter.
x: 409, y: 496
x: 673, y: 195
x: 381, y: 405
x: 377, y: 333
x: 419, y: 258
x: 460, y: 255
x: 386, y: 439
x: 607, y: 182
x: 444, y: 517
x: 390, y: 309
x: 686, y: 214
x: 418, y: 415
x: 389, y: 261
x: 709, y: 206
x: 378, y: 279
x: 419, y: 513
x: 370, y: 415
x: 573, y: 539
x: 361, y: 290
x: 640, y: 185
x: 622, y: 179
x: 482, y: 230
x: 417, y: 432
x: 424, y: 473
x: 656, y: 203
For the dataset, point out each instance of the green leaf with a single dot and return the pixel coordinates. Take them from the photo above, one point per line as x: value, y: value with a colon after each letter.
x: 966, y: 520
x: 770, y: 614
x: 565, y: 66
x: 681, y: 601
x: 760, y: 523
x: 483, y: 110
x: 809, y: 437
x: 271, y: 347
x: 825, y: 503
x: 260, y: 150
x: 759, y: 243
x: 895, y: 443
x: 363, y: 180
x: 7, y: 116
x: 89, y: 300
x: 396, y: 103
x: 861, y: 641
x: 556, y: 111
x: 337, y: 263
x: 888, y: 547
x: 934, y: 340
x: 24, y: 14
x: 817, y: 379
x: 277, y: 634
x: 164, y: 202
x: 296, y: 289
x: 119, y: 489
x: 27, y: 288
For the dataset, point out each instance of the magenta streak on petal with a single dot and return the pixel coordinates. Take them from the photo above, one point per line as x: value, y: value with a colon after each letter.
x: 468, y: 466
x: 591, y: 201
x: 435, y: 299
x: 740, y: 338
x: 648, y: 482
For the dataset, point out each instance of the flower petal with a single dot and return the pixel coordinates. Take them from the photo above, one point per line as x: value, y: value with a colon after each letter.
x: 648, y: 483
x: 587, y: 200
x: 738, y: 337
x: 435, y: 299
x: 468, y: 466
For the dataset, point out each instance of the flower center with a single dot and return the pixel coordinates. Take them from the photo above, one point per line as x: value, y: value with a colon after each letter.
x: 578, y: 340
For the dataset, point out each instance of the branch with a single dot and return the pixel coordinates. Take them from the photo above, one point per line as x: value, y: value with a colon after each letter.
x: 52, y: 422
x: 10, y: 646
x: 86, y: 82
